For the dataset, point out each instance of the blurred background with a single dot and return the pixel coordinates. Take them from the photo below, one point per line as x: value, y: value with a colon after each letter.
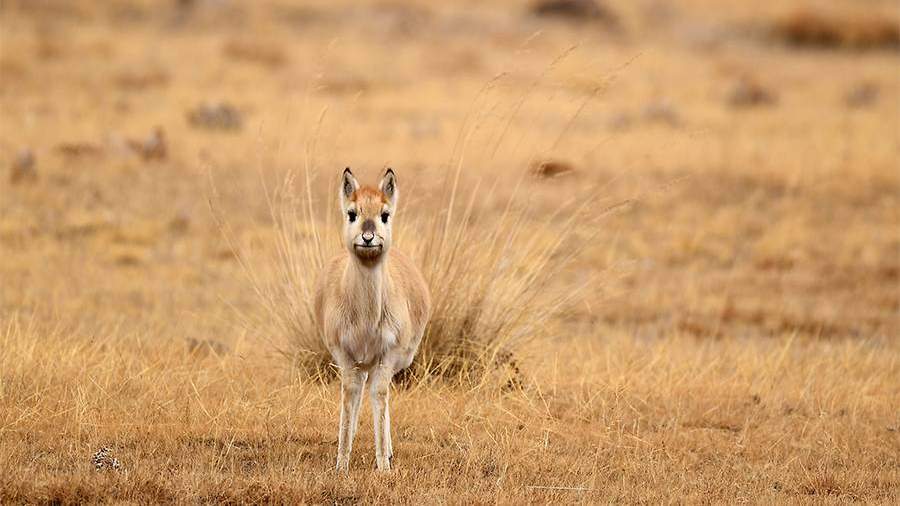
x: 759, y: 141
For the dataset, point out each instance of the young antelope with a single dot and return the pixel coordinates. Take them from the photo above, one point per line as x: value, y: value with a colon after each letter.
x: 372, y: 304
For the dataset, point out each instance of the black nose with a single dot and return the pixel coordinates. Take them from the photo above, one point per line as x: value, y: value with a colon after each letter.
x: 368, y: 229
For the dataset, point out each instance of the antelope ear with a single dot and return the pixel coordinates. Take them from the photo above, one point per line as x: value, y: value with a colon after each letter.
x: 388, y: 186
x: 348, y: 186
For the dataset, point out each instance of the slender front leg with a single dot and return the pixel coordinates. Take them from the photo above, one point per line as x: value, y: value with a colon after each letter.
x: 380, y: 390
x: 352, y: 382
x: 389, y: 445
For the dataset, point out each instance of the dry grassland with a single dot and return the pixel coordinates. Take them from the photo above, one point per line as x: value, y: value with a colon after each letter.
x: 729, y: 326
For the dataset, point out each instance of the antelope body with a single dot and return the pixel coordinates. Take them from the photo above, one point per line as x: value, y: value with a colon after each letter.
x: 372, y: 305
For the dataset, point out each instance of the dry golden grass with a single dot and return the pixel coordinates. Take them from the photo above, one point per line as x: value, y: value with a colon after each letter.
x: 495, y: 294
x: 729, y: 336
x: 620, y: 420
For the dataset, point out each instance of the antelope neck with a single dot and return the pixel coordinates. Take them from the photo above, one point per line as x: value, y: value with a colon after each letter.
x: 367, y: 286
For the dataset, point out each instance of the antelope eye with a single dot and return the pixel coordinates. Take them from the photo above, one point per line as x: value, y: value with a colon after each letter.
x: 351, y: 215
x: 384, y: 217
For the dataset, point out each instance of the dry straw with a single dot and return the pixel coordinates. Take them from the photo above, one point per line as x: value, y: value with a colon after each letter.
x: 490, y: 292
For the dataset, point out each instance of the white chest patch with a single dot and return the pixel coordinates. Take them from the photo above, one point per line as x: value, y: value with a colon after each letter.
x: 365, y: 347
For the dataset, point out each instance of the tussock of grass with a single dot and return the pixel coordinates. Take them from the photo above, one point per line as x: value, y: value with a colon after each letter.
x: 815, y: 28
x: 490, y: 293
x: 490, y: 290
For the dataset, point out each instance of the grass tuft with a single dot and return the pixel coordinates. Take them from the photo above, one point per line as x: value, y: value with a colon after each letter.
x: 490, y: 294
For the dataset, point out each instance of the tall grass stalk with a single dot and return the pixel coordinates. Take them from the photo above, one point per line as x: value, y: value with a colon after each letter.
x: 490, y: 291
x: 491, y: 283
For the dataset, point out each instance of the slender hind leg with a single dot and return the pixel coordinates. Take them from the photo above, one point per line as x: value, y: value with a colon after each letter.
x: 352, y: 382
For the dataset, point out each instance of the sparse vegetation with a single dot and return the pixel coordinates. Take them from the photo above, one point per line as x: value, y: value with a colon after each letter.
x: 748, y: 92
x: 822, y: 28
x: 718, y: 322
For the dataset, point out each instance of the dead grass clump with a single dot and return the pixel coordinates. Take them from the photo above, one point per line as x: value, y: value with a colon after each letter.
x: 489, y: 290
x: 573, y: 10
x: 80, y: 150
x: 544, y: 169
x: 253, y: 51
x: 748, y: 92
x: 662, y: 112
x: 810, y: 28
x: 23, y: 167
x: 823, y: 482
x: 154, y: 147
x: 862, y: 95
x: 142, y: 78
x: 216, y: 116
